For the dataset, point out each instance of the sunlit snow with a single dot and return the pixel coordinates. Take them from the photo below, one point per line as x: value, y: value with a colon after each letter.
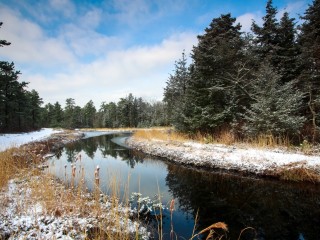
x: 16, y: 140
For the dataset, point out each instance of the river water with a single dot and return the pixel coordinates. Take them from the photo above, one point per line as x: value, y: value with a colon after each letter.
x: 275, y: 210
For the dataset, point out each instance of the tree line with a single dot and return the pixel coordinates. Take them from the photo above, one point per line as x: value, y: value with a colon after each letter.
x: 129, y: 111
x: 22, y: 110
x: 263, y: 82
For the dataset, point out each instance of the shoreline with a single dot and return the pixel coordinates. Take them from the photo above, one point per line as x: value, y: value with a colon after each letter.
x: 76, y: 214
x: 277, y: 164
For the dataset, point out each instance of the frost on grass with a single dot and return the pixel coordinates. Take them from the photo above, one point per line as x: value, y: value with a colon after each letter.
x: 219, y: 156
x: 30, y: 213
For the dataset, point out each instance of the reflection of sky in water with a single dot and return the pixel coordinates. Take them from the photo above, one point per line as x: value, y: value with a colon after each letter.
x: 277, y: 210
x: 147, y: 177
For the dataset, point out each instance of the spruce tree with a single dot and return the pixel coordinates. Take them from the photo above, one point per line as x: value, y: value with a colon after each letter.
x: 276, y: 43
x: 88, y: 113
x: 209, y: 103
x: 267, y: 36
x: 287, y: 50
x: 175, y: 93
x: 309, y: 59
x: 276, y: 106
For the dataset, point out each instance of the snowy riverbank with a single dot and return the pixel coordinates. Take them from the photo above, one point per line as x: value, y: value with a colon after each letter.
x: 18, y: 139
x: 262, y: 162
x: 36, y: 206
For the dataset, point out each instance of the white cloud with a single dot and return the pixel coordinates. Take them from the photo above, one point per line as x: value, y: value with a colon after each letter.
x: 246, y: 20
x: 142, y: 71
x: 29, y: 43
x: 54, y: 65
x: 86, y: 41
x: 293, y: 7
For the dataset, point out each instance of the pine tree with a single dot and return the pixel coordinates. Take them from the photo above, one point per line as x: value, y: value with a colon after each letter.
x: 309, y: 80
x: 276, y: 106
x: 209, y: 101
x: 267, y: 36
x: 287, y: 50
x: 69, y: 113
x: 175, y: 93
x: 89, y: 112
x: 33, y: 108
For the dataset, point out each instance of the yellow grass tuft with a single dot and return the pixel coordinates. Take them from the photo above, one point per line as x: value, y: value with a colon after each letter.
x: 164, y: 134
x: 211, y: 229
x: 299, y: 174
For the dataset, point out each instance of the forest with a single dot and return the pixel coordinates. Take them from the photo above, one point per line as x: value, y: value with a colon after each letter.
x: 266, y: 81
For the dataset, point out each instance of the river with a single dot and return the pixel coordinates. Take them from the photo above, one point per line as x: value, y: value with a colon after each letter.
x: 275, y: 210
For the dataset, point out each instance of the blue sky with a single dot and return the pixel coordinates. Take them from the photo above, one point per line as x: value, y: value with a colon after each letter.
x: 103, y: 50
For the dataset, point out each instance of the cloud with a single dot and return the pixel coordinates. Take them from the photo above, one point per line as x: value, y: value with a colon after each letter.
x: 297, y: 7
x: 66, y: 7
x: 29, y: 43
x: 142, y: 71
x: 246, y: 20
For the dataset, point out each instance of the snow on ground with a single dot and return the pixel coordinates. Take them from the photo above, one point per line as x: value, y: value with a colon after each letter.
x: 16, y: 140
x: 250, y: 160
x: 23, y: 217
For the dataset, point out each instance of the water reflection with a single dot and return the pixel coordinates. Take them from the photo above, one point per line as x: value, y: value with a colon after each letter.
x: 276, y: 210
x: 106, y: 147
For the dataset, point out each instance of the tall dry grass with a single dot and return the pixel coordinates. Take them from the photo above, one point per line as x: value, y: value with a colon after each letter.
x: 223, y: 137
x: 13, y: 161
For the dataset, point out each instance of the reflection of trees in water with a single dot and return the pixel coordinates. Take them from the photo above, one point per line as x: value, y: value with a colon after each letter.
x: 106, y: 148
x: 276, y: 210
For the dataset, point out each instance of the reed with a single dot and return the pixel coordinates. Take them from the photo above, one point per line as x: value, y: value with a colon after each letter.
x: 212, y: 231
x: 13, y: 161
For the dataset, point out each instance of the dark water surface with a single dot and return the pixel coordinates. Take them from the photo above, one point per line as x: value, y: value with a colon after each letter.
x: 276, y: 210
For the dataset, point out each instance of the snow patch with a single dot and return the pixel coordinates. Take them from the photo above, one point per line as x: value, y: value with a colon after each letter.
x: 15, y: 140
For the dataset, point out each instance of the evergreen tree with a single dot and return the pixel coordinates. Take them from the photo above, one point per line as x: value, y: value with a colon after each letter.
x: 69, y: 113
x: 309, y: 80
x: 267, y: 36
x: 57, y: 119
x: 276, y: 43
x: 19, y: 109
x: 33, y: 109
x: 276, y: 106
x: 209, y: 102
x: 175, y: 93
x: 89, y: 112
x: 287, y: 50
x: 12, y: 97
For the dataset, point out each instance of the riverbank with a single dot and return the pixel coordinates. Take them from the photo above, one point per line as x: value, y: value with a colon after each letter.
x: 275, y: 163
x: 35, y: 205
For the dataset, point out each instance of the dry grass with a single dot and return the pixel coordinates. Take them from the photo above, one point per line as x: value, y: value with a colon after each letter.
x: 223, y: 137
x: 160, y: 134
x: 299, y: 174
x: 214, y: 231
x: 58, y: 200
x: 269, y: 141
x: 13, y: 161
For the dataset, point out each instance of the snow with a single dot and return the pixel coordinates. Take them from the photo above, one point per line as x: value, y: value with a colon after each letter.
x: 253, y: 160
x: 16, y: 140
x: 23, y: 217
